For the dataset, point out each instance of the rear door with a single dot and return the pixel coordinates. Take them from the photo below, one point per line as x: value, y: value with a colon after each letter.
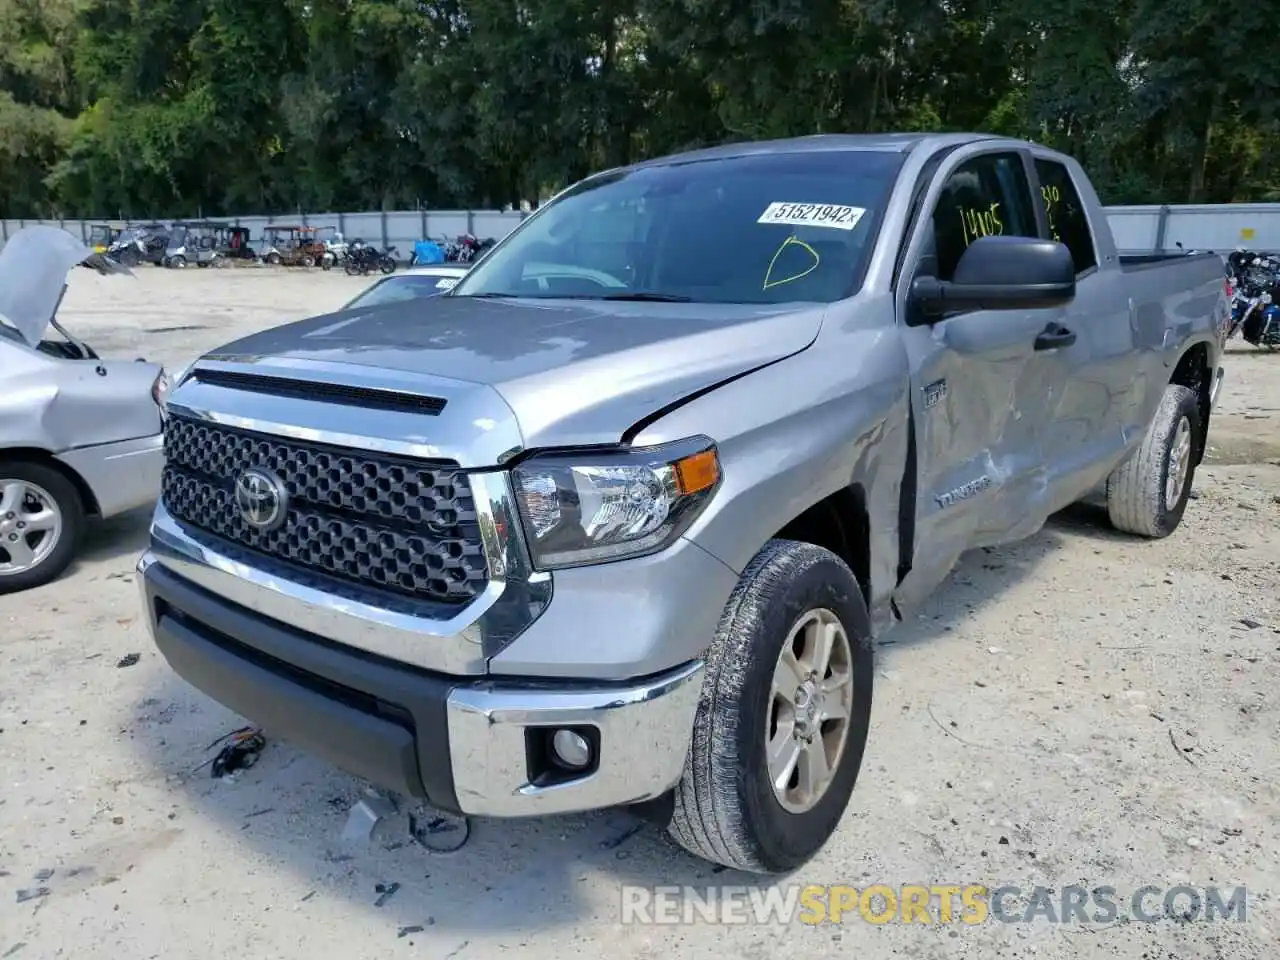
x: 1086, y: 429
x: 979, y: 396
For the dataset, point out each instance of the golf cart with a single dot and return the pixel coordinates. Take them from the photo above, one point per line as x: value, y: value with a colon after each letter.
x: 102, y: 235
x: 141, y: 244
x: 233, y: 243
x: 195, y: 242
x: 291, y: 245
x: 335, y: 247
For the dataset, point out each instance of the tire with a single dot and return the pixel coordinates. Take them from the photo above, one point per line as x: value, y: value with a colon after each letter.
x: 349, y: 268
x: 64, y: 498
x: 387, y: 266
x: 726, y: 809
x: 308, y: 262
x: 326, y: 264
x: 273, y: 259
x: 1139, y: 495
x: 178, y: 262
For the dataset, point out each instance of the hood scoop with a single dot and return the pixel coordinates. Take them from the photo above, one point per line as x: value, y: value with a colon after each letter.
x: 373, y: 398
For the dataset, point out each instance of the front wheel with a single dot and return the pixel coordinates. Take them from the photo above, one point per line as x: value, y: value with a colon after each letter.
x: 1147, y: 494
x: 387, y: 266
x: 178, y: 263
x: 41, y: 522
x: 784, y: 714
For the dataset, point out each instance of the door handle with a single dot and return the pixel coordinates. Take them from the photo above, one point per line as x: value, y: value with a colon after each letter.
x: 1054, y: 337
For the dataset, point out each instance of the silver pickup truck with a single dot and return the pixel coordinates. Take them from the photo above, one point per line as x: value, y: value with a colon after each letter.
x: 615, y: 520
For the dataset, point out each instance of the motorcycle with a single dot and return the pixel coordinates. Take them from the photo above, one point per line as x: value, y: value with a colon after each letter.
x: 363, y: 259
x: 467, y: 248
x: 1255, y: 298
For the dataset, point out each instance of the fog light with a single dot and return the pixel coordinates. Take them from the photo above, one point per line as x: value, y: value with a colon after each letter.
x: 571, y: 750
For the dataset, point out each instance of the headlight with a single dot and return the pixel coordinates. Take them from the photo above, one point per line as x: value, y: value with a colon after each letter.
x: 160, y: 388
x: 580, y: 508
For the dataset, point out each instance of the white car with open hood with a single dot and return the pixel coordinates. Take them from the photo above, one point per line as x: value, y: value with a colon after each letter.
x: 80, y: 436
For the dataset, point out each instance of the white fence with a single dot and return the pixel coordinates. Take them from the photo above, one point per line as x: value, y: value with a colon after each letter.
x: 1146, y: 229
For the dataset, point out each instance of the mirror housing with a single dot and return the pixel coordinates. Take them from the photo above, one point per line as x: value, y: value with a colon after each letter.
x: 1002, y: 273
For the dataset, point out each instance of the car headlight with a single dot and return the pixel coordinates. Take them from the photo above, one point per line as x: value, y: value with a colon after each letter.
x: 583, y: 508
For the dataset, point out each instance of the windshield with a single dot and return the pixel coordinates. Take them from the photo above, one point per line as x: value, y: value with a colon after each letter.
x: 403, y: 288
x: 767, y: 228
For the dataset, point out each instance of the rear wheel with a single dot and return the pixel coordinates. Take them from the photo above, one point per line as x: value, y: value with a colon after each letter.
x: 387, y: 266
x: 1147, y: 494
x: 308, y: 261
x: 784, y: 714
x: 273, y: 259
x: 41, y: 522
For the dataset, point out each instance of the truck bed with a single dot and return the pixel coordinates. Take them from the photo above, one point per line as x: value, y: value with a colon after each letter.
x: 1133, y: 262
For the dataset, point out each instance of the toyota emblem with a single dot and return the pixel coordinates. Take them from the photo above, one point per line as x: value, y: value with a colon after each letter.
x: 262, y: 498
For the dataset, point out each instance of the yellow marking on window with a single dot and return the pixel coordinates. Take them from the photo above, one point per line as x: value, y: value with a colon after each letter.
x: 790, y: 241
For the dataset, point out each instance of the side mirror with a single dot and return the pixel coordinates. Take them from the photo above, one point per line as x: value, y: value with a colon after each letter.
x: 1002, y: 273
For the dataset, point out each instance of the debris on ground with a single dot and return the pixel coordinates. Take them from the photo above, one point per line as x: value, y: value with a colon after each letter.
x: 365, y: 816
x: 128, y: 660
x: 439, y: 831
x: 385, y: 892
x: 44, y: 874
x: 405, y: 931
x: 240, y: 751
x: 623, y: 837
x: 32, y: 893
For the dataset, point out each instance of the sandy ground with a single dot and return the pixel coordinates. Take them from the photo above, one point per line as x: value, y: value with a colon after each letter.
x: 1082, y: 708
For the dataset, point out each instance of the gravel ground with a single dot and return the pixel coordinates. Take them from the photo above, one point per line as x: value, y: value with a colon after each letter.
x: 1082, y: 708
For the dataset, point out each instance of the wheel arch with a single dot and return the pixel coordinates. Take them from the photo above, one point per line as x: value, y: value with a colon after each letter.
x: 1195, y: 371
x: 46, y: 459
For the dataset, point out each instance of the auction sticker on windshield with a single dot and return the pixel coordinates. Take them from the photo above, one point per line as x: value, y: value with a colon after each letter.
x: 834, y: 215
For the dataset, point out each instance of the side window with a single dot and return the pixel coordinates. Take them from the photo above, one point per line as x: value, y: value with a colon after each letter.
x: 986, y: 195
x: 1068, y: 222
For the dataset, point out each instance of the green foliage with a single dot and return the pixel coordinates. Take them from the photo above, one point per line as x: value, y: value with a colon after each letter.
x: 177, y: 107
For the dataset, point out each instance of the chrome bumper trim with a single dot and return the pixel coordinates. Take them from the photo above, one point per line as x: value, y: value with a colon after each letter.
x: 513, y: 599
x: 645, y: 732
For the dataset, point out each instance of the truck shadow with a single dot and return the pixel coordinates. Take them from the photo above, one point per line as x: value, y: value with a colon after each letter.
x: 121, y: 536
x: 512, y: 877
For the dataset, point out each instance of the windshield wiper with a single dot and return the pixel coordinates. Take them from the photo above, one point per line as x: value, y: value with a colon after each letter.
x: 652, y: 297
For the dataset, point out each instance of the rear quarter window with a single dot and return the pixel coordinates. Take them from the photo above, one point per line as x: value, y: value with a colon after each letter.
x: 1068, y: 222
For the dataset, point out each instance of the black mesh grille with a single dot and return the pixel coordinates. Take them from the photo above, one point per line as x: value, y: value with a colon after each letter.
x: 391, y: 523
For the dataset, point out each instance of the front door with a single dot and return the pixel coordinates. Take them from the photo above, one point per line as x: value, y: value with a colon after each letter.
x: 980, y: 395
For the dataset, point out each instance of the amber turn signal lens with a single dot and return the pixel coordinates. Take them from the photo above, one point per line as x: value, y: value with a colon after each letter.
x: 698, y: 472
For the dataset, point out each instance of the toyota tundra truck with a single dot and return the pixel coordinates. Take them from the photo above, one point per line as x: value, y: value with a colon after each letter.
x: 615, y: 520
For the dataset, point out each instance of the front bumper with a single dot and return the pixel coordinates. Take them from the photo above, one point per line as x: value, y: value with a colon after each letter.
x: 123, y: 475
x: 474, y: 746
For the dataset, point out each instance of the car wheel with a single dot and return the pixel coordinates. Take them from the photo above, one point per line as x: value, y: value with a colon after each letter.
x: 308, y: 261
x: 1147, y: 494
x: 273, y: 259
x: 783, y: 717
x: 179, y: 262
x: 42, y: 519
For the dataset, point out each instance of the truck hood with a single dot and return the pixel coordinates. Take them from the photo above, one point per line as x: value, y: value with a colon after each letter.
x: 572, y: 372
x: 34, y: 263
